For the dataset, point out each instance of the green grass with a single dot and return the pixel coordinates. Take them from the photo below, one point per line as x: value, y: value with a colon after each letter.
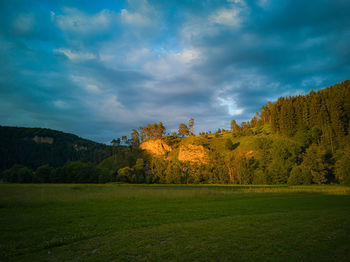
x: 174, y: 222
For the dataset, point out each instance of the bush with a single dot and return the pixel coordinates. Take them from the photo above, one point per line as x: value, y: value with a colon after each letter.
x: 81, y: 172
x: 104, y: 176
x: 124, y: 174
x: 299, y: 176
x: 18, y: 174
x: 259, y: 177
x: 43, y: 174
x: 228, y: 144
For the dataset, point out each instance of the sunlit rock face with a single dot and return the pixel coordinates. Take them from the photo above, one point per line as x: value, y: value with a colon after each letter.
x: 193, y: 153
x: 156, y: 147
x: 190, y: 153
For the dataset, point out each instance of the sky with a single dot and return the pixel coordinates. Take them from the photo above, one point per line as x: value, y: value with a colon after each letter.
x: 100, y: 68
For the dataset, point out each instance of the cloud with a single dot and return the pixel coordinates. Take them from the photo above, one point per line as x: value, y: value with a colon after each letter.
x: 98, y: 69
x: 135, y: 18
x: 75, y: 56
x: 93, y: 88
x: 228, y: 17
x: 60, y: 104
x: 77, y: 23
x: 231, y: 106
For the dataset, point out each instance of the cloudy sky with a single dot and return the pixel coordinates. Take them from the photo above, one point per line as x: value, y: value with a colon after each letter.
x: 100, y: 68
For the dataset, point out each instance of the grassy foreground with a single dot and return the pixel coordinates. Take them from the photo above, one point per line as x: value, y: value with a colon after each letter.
x: 176, y: 223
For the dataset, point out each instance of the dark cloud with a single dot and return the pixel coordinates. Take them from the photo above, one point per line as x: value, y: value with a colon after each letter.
x: 102, y: 68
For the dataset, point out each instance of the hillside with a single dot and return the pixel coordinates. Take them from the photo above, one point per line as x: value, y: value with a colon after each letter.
x: 34, y: 147
x: 296, y: 140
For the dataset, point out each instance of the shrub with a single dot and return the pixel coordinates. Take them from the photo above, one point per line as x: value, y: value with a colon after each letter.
x: 259, y: 177
x: 229, y: 144
x: 124, y: 174
x: 299, y: 176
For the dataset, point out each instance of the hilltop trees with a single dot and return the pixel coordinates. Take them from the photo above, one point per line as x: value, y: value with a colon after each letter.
x: 183, y: 130
x: 327, y: 110
x: 234, y: 126
x: 135, y: 137
x: 190, y: 125
x: 151, y: 131
x: 115, y: 142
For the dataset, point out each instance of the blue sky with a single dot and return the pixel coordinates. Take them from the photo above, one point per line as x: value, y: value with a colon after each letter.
x: 100, y: 68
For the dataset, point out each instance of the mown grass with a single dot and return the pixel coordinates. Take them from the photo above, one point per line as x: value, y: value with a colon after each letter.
x: 174, y: 222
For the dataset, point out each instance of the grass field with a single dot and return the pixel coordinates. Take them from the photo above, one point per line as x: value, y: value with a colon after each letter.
x: 174, y: 223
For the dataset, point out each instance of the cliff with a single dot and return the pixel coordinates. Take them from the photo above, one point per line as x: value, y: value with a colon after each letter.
x: 189, y: 152
x: 156, y: 147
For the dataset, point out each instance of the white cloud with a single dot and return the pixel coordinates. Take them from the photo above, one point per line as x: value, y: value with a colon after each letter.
x: 139, y: 13
x: 169, y: 64
x: 211, y: 25
x: 233, y: 110
x: 75, y: 56
x: 228, y: 17
x: 135, y: 18
x: 313, y: 81
x: 93, y: 88
x: 186, y: 56
x: 113, y: 103
x: 76, y: 22
x: 89, y: 84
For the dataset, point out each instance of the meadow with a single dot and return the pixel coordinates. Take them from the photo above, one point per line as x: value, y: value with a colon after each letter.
x: 115, y: 222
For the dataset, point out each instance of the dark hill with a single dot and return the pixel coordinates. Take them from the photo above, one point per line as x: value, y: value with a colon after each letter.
x: 34, y: 147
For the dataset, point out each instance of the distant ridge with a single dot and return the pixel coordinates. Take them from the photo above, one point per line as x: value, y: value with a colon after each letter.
x: 33, y: 147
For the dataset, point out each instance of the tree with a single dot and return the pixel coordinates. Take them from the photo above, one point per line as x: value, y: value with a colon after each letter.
x: 150, y: 131
x: 160, y: 130
x: 139, y: 170
x: 135, y: 137
x: 115, y: 142
x: 124, y: 174
x: 245, y: 172
x: 315, y: 164
x: 299, y: 176
x: 342, y: 171
x: 234, y: 126
x: 183, y: 130
x: 43, y: 173
x: 18, y: 174
x: 104, y: 176
x: 284, y: 157
x: 190, y: 125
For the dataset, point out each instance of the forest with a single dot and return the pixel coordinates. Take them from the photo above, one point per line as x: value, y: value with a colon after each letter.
x: 33, y: 147
x: 296, y: 140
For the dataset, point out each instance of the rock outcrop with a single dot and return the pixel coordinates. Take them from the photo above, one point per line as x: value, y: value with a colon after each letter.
x: 193, y: 153
x: 43, y: 140
x: 156, y: 147
x: 190, y: 153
